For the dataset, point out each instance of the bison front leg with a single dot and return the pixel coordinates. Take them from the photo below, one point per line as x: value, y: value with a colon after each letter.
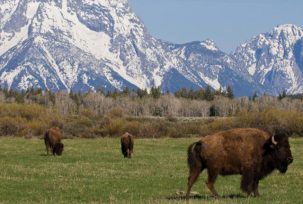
x: 212, y: 176
x: 247, y: 182
x: 54, y: 151
x: 128, y: 153
x: 255, y: 187
x: 48, y: 149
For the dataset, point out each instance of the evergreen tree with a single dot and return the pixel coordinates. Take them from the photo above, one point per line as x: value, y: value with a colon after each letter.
x: 254, y: 96
x: 209, y: 95
x: 126, y: 91
x: 155, y: 92
x: 142, y: 93
x: 181, y: 93
x: 283, y: 95
x: 230, y: 93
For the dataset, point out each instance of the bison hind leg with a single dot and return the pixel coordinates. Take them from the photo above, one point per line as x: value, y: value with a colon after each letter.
x: 212, y: 176
x: 192, y: 178
x: 47, y: 146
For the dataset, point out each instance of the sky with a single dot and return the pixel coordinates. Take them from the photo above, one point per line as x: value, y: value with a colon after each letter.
x: 228, y: 22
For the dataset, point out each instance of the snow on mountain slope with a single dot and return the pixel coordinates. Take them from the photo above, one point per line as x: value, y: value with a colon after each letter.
x: 63, y: 26
x: 270, y: 59
x: 203, y: 64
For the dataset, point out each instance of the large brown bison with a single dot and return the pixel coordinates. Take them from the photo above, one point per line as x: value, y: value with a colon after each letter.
x: 52, y: 140
x: 251, y: 152
x: 127, y: 145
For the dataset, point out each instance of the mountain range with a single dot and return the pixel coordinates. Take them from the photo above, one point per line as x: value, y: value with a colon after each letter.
x: 82, y: 45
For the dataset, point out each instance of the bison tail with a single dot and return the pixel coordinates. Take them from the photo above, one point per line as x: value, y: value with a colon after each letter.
x: 194, y: 159
x: 46, y: 138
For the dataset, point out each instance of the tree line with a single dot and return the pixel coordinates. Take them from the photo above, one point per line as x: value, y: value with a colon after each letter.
x: 141, y: 103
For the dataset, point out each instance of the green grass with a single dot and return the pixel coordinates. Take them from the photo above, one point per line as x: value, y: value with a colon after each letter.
x: 94, y: 171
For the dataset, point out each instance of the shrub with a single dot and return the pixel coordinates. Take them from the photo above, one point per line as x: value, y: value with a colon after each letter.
x: 28, y: 112
x: 35, y: 128
x: 116, y: 113
x: 176, y: 133
x: 56, y: 123
x: 79, y: 127
x: 273, y: 120
x: 87, y: 113
x: 171, y: 118
x: 115, y: 127
x: 11, y: 126
x: 133, y: 127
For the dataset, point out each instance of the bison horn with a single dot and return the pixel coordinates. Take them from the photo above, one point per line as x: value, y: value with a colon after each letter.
x: 273, y: 140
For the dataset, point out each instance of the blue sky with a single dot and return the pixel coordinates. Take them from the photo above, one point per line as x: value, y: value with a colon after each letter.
x: 227, y: 22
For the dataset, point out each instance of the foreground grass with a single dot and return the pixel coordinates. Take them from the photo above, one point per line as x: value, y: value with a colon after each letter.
x: 94, y: 171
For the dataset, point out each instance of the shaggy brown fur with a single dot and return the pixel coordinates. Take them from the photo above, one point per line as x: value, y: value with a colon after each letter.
x: 52, y: 140
x: 127, y: 145
x: 247, y: 151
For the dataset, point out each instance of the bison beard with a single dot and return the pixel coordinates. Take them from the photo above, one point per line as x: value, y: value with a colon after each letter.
x: 253, y: 153
x: 127, y: 145
x: 58, y: 149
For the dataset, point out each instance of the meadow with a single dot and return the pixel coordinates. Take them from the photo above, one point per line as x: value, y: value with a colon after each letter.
x: 94, y: 171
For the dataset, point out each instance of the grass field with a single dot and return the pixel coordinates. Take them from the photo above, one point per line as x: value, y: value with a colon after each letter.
x: 94, y: 171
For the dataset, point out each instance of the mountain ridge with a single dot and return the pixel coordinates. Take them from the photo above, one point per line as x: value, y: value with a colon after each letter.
x: 100, y: 44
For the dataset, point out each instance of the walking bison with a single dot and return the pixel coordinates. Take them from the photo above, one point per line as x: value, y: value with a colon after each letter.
x: 52, y: 140
x: 250, y: 152
x: 127, y: 145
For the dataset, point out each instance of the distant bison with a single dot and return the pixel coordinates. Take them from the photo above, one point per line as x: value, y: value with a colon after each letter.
x: 127, y: 144
x: 52, y: 140
x: 253, y: 153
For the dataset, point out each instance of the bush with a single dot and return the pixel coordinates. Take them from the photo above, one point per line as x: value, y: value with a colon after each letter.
x: 10, y: 126
x: 115, y: 127
x: 154, y: 129
x: 116, y: 113
x: 35, y: 128
x: 171, y: 118
x: 176, y: 133
x: 133, y: 127
x: 273, y: 120
x: 28, y: 112
x: 56, y: 123
x: 79, y: 127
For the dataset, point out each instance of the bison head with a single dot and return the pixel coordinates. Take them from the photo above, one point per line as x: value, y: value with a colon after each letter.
x: 58, y: 149
x: 277, y: 147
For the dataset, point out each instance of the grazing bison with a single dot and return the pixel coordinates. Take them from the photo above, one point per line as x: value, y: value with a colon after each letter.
x: 52, y: 140
x: 127, y: 145
x: 251, y: 152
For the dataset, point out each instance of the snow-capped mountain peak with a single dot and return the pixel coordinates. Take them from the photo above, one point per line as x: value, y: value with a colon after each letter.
x: 103, y: 38
x: 209, y: 44
x: 289, y: 29
x: 83, y: 45
x: 271, y: 59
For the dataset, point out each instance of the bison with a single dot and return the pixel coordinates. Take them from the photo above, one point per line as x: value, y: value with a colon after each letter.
x: 52, y: 140
x: 127, y: 145
x: 250, y: 152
